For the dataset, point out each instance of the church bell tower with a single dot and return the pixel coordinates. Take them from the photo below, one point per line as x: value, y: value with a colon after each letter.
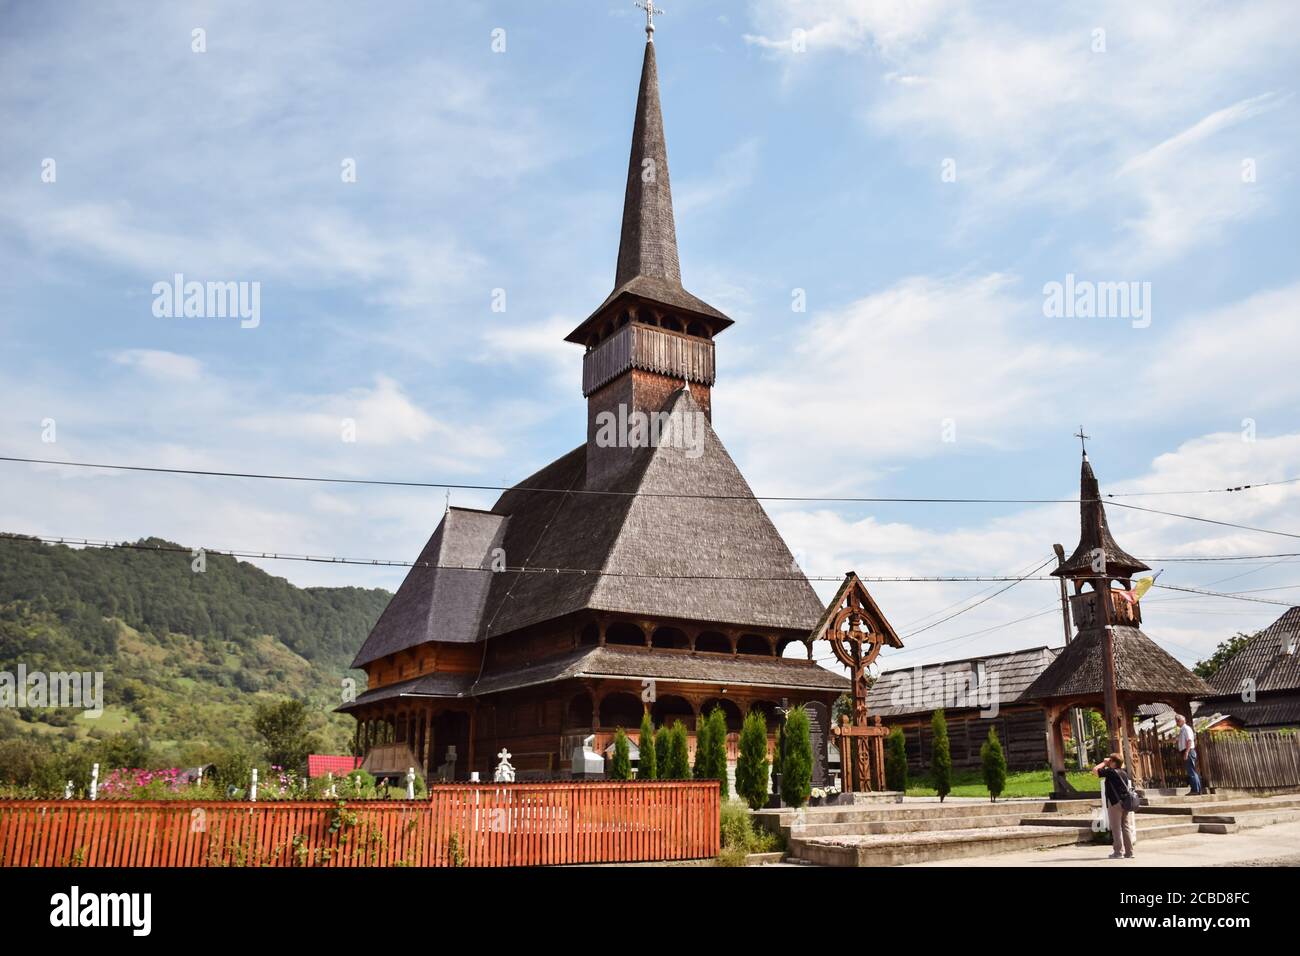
x: 650, y: 337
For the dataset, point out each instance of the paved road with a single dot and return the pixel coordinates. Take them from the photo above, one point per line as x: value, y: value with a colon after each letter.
x: 1277, y: 845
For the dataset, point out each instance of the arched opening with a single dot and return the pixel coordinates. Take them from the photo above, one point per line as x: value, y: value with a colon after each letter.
x: 669, y: 708
x: 792, y: 647
x: 729, y: 709
x: 713, y: 642
x: 696, y: 329
x: 589, y: 636
x: 577, y: 715
x: 754, y: 644
x: 673, y: 638
x: 624, y: 633
x: 621, y: 710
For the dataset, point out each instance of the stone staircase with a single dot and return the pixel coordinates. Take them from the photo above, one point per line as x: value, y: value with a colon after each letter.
x: 890, y: 832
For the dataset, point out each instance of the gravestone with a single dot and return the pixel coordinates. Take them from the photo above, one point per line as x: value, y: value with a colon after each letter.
x: 819, y: 723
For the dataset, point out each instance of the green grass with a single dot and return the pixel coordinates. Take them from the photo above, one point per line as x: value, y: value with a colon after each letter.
x: 1024, y: 783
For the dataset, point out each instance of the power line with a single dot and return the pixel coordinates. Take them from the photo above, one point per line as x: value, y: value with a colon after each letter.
x: 1225, y: 524
x: 981, y: 600
x: 210, y: 473
x: 597, y: 572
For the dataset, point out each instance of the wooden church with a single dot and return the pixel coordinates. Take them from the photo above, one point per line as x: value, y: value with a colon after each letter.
x: 674, y: 591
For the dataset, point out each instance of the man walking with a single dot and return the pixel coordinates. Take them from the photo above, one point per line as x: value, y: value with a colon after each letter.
x: 1187, y: 747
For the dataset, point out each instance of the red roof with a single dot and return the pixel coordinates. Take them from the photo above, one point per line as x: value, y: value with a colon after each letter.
x: 320, y: 764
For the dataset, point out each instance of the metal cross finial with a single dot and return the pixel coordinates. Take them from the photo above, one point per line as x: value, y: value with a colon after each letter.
x: 1082, y: 440
x: 650, y: 11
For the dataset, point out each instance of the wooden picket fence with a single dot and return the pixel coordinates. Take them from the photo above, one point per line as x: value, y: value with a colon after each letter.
x: 1159, y: 762
x: 1258, y: 761
x: 526, y: 824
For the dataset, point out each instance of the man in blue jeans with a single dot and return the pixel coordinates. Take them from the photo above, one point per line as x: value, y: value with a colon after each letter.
x: 1187, y: 747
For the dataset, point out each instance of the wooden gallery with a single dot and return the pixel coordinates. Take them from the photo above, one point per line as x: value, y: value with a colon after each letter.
x: 628, y: 574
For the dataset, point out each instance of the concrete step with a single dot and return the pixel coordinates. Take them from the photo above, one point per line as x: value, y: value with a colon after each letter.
x: 1144, y: 822
x: 897, y: 850
x: 1231, y: 823
x: 918, y: 810
x: 1220, y: 807
x: 908, y: 825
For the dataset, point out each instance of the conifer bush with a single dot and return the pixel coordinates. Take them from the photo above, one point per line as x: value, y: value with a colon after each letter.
x: 678, y: 763
x: 752, y: 765
x: 647, y: 767
x: 796, y: 768
x: 941, y: 758
x: 621, y: 766
x: 896, y: 761
x: 994, y: 763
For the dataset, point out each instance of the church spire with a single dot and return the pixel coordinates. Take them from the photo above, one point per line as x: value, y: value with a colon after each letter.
x: 648, y: 241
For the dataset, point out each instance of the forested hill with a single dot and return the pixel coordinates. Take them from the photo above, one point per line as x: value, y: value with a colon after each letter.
x: 186, y: 656
x: 158, y: 592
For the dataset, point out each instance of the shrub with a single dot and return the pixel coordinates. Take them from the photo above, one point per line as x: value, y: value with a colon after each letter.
x: 994, y: 763
x: 740, y: 837
x: 703, y: 734
x: 711, y: 750
x: 647, y: 765
x: 941, y: 759
x: 896, y: 761
x: 796, y: 776
x: 678, y: 767
x: 752, y: 765
x: 661, y: 754
x: 620, y: 767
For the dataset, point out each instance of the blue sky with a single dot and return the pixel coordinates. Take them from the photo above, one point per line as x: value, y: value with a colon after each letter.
x: 807, y: 144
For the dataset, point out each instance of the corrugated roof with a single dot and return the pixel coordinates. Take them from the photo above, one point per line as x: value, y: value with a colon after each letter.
x: 892, y: 693
x: 1140, y: 665
x: 1264, y: 660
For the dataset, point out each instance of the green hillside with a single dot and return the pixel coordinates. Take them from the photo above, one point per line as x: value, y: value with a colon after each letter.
x: 186, y: 656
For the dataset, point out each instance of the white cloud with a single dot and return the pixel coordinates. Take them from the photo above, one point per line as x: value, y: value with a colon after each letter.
x: 889, y: 369
x: 166, y: 366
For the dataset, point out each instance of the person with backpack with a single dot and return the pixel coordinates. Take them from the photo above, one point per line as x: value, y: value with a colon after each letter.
x: 1122, y: 802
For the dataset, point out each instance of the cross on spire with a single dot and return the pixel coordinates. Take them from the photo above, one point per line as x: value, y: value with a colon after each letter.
x: 1082, y: 440
x: 650, y: 11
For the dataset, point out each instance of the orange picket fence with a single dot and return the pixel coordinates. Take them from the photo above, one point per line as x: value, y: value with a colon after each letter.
x: 524, y: 824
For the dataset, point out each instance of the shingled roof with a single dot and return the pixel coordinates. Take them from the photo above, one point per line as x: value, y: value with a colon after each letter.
x: 892, y: 693
x: 1271, y: 659
x: 1140, y: 665
x: 648, y: 265
x: 686, y: 668
x: 442, y: 597
x: 1094, y: 533
x: 714, y: 559
x: 717, y: 558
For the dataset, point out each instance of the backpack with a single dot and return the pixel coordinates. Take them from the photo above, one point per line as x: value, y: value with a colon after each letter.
x: 1130, y: 801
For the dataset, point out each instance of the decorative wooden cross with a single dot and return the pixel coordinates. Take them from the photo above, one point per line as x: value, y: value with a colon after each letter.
x: 857, y: 630
x: 866, y: 769
x: 650, y: 11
